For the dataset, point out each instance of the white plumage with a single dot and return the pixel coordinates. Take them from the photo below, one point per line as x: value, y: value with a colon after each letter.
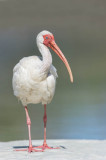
x: 31, y: 86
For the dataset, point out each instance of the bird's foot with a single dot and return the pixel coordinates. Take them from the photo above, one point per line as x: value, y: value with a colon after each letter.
x: 30, y: 149
x: 45, y: 146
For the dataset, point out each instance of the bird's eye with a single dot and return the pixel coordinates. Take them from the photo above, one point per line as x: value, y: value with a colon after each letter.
x: 46, y: 37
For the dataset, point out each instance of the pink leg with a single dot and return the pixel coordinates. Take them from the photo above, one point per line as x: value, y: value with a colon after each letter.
x: 45, y: 121
x: 45, y: 146
x: 30, y: 148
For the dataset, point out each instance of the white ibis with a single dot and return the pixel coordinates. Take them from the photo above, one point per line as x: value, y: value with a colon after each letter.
x: 34, y: 80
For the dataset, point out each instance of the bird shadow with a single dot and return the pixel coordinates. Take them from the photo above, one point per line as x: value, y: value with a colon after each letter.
x: 63, y: 147
x: 20, y: 147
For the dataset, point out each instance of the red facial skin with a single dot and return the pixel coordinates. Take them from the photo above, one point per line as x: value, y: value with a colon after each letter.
x: 47, y: 39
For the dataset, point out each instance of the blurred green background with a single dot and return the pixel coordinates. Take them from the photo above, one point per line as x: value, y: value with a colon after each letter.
x: 78, y: 110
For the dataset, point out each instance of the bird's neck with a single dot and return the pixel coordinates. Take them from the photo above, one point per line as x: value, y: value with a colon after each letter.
x: 47, y: 58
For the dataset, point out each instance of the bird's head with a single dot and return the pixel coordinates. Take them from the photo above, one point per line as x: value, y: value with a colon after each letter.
x: 47, y: 38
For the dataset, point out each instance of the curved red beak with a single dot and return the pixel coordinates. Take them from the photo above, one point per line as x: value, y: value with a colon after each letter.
x: 57, y: 50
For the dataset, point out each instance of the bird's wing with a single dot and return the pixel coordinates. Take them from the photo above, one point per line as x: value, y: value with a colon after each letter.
x: 53, y: 71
